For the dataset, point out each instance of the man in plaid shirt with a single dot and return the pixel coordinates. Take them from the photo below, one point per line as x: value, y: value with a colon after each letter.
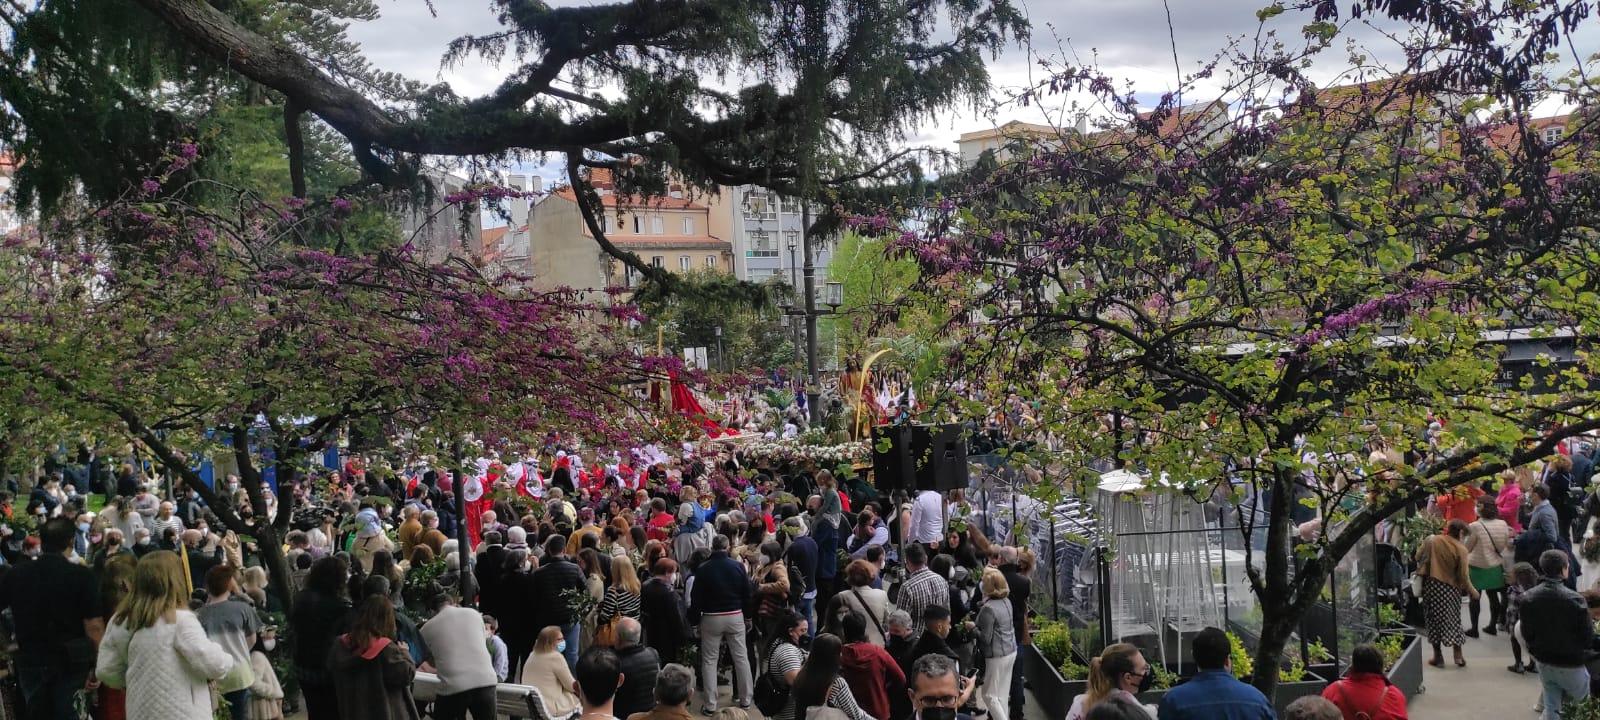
x: 921, y: 588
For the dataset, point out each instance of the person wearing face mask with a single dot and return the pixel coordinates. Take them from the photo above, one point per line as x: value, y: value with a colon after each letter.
x: 662, y: 612
x: 266, y: 694
x: 784, y: 660
x: 937, y: 689
x: 546, y: 669
x: 1120, y: 672
x: 80, y: 539
x: 772, y: 586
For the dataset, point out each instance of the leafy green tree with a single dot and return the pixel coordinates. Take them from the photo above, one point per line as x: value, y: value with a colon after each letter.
x: 869, y: 71
x: 1267, y: 307
x: 753, y: 339
x: 876, y: 286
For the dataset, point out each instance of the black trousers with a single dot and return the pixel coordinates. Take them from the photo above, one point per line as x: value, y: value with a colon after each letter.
x: 321, y: 702
x: 479, y: 702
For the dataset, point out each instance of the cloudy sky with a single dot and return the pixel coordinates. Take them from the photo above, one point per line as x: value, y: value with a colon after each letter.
x: 1129, y: 39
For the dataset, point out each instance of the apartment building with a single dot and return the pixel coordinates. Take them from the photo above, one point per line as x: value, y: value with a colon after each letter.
x: 671, y: 232
x: 765, y: 230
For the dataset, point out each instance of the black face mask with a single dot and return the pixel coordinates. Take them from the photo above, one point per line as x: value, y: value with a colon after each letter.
x: 1146, y: 681
x: 804, y: 642
x: 937, y: 713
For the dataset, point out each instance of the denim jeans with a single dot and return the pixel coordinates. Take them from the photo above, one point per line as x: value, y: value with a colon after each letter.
x: 807, y: 606
x: 238, y: 704
x: 1561, y: 685
x: 48, y: 690
x: 570, y: 634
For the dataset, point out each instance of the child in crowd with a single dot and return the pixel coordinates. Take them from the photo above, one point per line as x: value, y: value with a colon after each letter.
x: 497, y: 647
x: 266, y: 695
x: 1524, y: 578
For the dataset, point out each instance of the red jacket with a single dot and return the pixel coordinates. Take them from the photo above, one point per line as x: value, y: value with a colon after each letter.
x: 871, y: 674
x: 1369, y: 693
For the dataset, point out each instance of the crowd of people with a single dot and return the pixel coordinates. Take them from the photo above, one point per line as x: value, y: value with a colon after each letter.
x: 779, y: 590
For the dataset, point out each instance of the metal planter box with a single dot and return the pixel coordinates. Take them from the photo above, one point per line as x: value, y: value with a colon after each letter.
x: 1053, y: 692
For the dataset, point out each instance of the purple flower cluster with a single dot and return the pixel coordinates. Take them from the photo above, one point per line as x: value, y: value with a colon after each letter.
x: 1373, y: 309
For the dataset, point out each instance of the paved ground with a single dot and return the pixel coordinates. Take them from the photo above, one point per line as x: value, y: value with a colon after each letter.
x: 1482, y: 689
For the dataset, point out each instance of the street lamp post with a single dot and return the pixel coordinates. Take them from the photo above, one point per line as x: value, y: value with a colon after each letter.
x: 722, y: 361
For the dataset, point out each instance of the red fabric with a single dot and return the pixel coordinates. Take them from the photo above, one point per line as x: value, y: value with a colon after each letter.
x: 112, y: 705
x: 658, y: 527
x: 371, y: 650
x: 844, y: 501
x: 872, y: 674
x: 1370, y: 693
x: 1460, y: 504
x: 684, y: 403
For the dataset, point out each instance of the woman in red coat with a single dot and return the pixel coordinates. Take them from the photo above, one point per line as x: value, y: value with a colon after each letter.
x: 1366, y: 690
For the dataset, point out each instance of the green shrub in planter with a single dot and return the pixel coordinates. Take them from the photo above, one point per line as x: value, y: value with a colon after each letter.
x: 1054, y: 641
x: 1585, y: 709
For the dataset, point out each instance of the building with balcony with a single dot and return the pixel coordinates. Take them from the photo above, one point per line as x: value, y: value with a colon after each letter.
x: 765, y: 229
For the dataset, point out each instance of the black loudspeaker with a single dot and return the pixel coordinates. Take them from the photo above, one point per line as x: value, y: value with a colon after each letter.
x: 919, y: 457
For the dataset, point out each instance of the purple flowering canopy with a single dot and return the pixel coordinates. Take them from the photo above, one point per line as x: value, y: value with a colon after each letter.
x: 187, y: 327
x: 1268, y: 299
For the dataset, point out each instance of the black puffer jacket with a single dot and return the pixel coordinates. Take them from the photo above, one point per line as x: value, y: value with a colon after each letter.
x: 639, y: 666
x: 552, y: 579
x: 1556, y: 625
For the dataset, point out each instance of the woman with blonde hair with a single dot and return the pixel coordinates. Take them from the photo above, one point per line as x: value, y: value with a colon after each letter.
x: 547, y: 671
x: 156, y: 649
x: 1119, y: 672
x: 622, y: 597
x: 997, y: 639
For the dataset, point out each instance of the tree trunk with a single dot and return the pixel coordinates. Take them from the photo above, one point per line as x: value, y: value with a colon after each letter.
x: 270, y: 545
x: 1275, y: 632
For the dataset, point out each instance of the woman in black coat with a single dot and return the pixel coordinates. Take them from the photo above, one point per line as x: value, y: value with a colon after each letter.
x: 662, y: 612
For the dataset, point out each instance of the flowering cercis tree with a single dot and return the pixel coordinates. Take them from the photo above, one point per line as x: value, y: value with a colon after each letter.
x: 188, y: 329
x: 1269, y: 298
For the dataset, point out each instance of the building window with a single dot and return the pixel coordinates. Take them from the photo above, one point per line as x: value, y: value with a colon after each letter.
x: 1552, y: 134
x: 683, y: 262
x: 656, y: 226
x: 791, y: 205
x: 711, y: 261
x: 658, y: 261
x: 761, y: 244
x: 688, y: 225
x: 636, y: 227
x: 759, y: 205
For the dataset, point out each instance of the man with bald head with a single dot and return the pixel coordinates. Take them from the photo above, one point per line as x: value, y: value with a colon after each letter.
x: 640, y: 664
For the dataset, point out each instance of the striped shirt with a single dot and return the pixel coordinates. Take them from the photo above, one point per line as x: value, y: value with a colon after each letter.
x: 618, y: 601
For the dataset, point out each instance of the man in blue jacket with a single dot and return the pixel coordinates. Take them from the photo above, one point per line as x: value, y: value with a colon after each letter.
x: 1214, y: 694
x: 720, y: 595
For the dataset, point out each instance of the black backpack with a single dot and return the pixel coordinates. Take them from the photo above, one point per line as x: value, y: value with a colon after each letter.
x: 797, y: 583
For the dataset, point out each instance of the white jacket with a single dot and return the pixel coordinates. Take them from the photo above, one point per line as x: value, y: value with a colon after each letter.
x: 165, y: 668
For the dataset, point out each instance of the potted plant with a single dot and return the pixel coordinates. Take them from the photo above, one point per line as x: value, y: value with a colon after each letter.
x: 1402, y: 661
x: 1054, y: 670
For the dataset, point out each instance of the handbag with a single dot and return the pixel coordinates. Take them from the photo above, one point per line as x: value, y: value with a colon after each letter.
x: 770, y: 695
x: 1416, y: 575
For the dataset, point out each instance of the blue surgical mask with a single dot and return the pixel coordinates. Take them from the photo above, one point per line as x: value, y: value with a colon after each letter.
x: 83, y: 527
x: 561, y: 647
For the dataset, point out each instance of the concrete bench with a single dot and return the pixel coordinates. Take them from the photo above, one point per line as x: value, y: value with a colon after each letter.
x: 510, y: 699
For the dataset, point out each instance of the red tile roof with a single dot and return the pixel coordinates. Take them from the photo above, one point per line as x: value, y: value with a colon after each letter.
x: 612, y: 200
x: 1507, y: 135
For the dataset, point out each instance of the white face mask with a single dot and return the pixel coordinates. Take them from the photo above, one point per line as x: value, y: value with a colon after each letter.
x: 269, y: 644
x: 765, y: 560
